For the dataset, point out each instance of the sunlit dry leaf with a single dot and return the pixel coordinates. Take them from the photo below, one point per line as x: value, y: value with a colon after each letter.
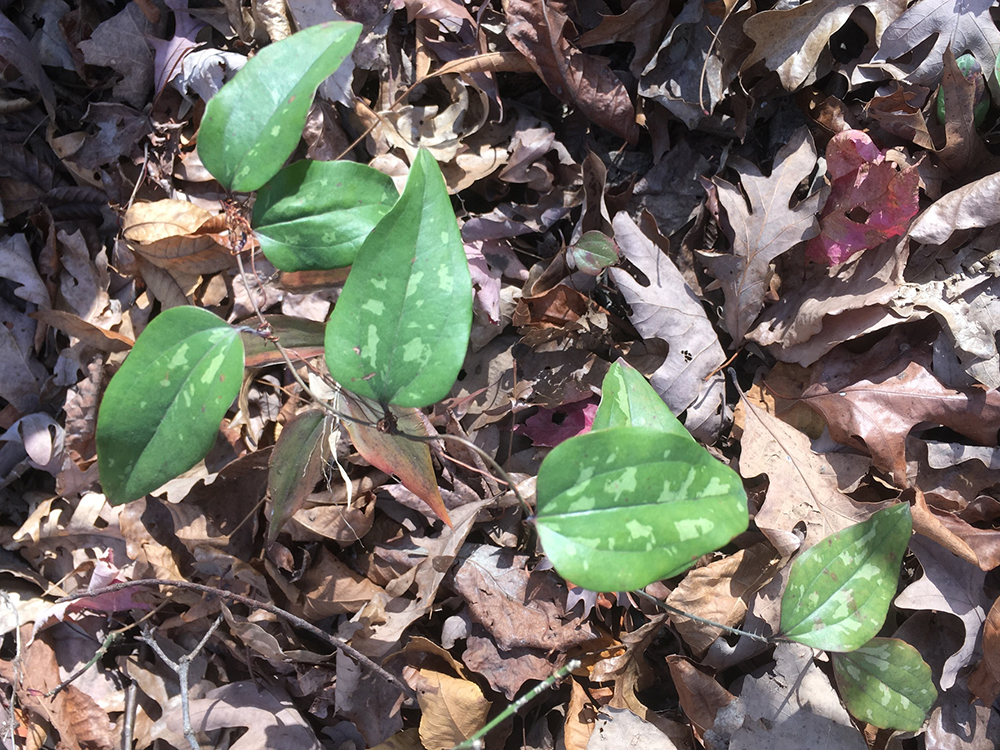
x: 165, y: 233
x: 804, y: 486
x: 99, y: 338
x: 720, y: 591
x: 580, y: 716
x: 700, y: 695
x: 762, y: 226
x: 452, y: 709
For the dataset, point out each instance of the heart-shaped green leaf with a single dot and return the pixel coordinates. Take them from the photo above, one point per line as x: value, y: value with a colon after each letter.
x: 627, y: 398
x: 254, y: 123
x: 295, y: 467
x: 399, y: 331
x: 623, y: 507
x: 839, y: 590
x: 314, y: 215
x: 161, y: 411
x: 886, y: 683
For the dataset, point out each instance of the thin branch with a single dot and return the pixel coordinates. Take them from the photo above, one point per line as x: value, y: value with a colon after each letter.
x: 338, y: 643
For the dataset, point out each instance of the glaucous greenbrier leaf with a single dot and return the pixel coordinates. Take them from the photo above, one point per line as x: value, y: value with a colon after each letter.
x: 314, y: 215
x: 400, y: 329
x: 255, y: 121
x: 162, y: 409
x: 839, y: 590
x: 295, y: 467
x: 886, y: 683
x: 627, y: 398
x: 625, y: 506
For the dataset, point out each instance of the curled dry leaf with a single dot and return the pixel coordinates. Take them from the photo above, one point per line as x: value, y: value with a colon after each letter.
x: 166, y: 233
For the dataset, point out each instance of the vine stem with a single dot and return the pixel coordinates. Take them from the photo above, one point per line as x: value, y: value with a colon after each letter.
x: 475, y: 741
x: 673, y: 610
x: 338, y: 643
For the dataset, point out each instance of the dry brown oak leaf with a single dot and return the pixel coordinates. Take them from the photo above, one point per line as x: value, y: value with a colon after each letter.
x: 877, y: 413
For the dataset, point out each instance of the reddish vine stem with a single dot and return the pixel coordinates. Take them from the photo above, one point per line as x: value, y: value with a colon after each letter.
x: 338, y: 643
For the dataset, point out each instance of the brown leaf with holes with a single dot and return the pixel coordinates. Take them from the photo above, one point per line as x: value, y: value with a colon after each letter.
x: 876, y: 412
x: 541, y: 32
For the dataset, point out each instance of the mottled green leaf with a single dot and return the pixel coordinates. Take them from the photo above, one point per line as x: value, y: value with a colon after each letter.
x: 592, y: 253
x: 886, y: 683
x: 314, y: 215
x: 839, y: 590
x: 254, y: 123
x: 400, y: 329
x: 295, y: 467
x: 161, y: 411
x: 622, y: 507
x: 627, y: 399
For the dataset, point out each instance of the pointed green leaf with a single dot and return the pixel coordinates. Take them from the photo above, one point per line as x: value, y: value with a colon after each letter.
x: 254, y: 123
x: 839, y: 591
x: 399, y: 331
x: 314, y: 215
x: 161, y: 411
x: 623, y: 507
x: 886, y: 683
x: 627, y: 398
x: 295, y: 467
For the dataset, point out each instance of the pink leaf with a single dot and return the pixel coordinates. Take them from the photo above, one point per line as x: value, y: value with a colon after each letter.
x: 549, y: 427
x: 870, y: 202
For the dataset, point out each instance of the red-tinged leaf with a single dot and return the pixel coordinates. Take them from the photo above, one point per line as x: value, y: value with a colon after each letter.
x: 549, y: 427
x: 541, y: 33
x: 870, y: 202
x: 296, y: 466
x: 410, y: 460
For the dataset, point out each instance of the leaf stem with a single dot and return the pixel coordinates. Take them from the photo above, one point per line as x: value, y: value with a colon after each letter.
x: 673, y: 610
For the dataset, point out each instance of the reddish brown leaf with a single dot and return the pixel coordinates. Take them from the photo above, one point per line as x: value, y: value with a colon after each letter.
x: 700, y: 696
x: 984, y: 683
x: 541, y: 32
x: 877, y: 412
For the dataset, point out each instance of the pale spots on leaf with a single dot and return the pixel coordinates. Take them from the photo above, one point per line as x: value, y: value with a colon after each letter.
x: 414, y: 349
x: 179, y: 358
x: 371, y: 348
x: 330, y: 238
x: 868, y: 572
x: 275, y: 131
x: 379, y: 283
x: 692, y: 528
x: 638, y: 530
x: 414, y: 283
x: 213, y: 367
x: 374, y: 306
x: 582, y: 504
x: 446, y: 282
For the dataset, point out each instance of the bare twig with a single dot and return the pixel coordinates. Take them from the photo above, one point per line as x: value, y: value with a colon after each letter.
x: 181, y: 667
x: 338, y: 643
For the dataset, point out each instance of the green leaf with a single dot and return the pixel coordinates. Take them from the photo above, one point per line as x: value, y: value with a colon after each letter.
x: 255, y: 122
x: 295, y: 467
x: 839, y: 591
x: 886, y: 683
x: 627, y: 398
x: 592, y: 253
x: 314, y: 215
x: 161, y: 411
x: 400, y: 329
x: 622, y: 507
